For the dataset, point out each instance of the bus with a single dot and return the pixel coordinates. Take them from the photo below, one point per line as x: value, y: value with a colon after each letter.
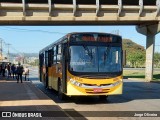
x: 83, y: 64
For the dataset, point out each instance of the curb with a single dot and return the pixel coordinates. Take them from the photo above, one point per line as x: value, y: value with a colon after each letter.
x: 141, y: 79
x: 154, y: 81
x: 137, y: 79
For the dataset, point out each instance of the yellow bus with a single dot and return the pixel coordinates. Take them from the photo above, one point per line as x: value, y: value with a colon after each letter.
x: 83, y: 64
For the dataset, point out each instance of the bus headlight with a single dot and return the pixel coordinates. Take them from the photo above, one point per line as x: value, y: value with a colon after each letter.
x: 116, y: 83
x: 74, y: 82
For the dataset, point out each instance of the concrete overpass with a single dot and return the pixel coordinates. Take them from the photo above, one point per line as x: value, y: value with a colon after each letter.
x: 145, y: 14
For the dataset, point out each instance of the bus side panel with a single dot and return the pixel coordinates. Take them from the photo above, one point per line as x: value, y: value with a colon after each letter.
x: 40, y: 73
x: 41, y: 57
x: 43, y: 74
x: 50, y: 77
x: 53, y: 78
x: 64, y: 67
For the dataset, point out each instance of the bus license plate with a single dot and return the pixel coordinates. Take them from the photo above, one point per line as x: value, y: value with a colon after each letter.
x: 97, y: 90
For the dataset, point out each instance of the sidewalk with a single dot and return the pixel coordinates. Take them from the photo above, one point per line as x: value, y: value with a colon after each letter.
x: 25, y: 97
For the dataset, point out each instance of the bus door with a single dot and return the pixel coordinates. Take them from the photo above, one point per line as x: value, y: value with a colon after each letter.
x: 64, y: 67
x: 46, y: 69
x: 41, y: 60
x: 50, y: 62
x: 50, y: 58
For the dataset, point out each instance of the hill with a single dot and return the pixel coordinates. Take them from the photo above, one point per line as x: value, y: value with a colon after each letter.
x: 131, y: 46
x: 135, y: 53
x: 25, y: 54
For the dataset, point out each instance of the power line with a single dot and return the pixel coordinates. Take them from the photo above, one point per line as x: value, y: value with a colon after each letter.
x: 5, y: 52
x: 29, y: 30
x: 18, y: 52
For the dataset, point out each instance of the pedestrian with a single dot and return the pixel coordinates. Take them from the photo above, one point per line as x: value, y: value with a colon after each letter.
x: 26, y: 73
x: 16, y: 75
x: 19, y: 72
x: 13, y: 69
x: 0, y: 69
x: 6, y: 72
x: 3, y: 69
x: 9, y: 69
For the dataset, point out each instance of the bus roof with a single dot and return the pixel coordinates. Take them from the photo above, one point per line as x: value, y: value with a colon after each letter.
x: 69, y: 34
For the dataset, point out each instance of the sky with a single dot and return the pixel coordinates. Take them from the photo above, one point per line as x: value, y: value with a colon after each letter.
x: 31, y: 39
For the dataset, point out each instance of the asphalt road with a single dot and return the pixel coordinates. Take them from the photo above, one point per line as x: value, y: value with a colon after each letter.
x: 139, y: 98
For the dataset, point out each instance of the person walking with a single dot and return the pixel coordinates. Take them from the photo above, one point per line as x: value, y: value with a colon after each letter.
x: 26, y: 73
x: 13, y: 69
x: 16, y: 75
x: 9, y: 69
x: 0, y: 69
x: 3, y: 69
x: 19, y: 72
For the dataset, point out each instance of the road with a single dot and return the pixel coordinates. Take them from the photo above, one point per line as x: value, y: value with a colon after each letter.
x: 137, y: 96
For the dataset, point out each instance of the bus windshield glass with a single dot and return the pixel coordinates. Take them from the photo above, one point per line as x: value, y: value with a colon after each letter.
x: 95, y: 59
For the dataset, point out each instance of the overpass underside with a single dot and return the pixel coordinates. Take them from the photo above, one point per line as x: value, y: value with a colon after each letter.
x: 78, y: 12
x: 143, y: 13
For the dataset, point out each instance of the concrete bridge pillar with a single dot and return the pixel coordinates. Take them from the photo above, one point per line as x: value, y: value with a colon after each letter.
x: 150, y: 31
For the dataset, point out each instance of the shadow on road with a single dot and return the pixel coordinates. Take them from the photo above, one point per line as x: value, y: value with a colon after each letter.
x: 132, y: 90
x: 34, y: 78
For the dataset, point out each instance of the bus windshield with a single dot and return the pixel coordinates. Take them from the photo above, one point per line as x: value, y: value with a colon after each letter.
x: 95, y: 59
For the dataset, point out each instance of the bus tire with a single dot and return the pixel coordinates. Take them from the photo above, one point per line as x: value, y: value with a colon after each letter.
x: 103, y: 97
x: 45, y: 81
x: 46, y: 84
x: 61, y: 96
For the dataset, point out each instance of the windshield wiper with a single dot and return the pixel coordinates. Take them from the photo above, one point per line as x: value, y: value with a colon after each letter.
x: 89, y: 52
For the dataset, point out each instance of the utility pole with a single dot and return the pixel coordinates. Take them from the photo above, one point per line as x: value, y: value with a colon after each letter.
x: 1, y: 49
x: 8, y: 52
x: 115, y: 32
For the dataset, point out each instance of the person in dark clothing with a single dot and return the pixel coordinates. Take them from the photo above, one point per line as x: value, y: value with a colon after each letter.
x: 0, y: 69
x: 19, y: 72
x: 3, y: 69
x: 13, y: 69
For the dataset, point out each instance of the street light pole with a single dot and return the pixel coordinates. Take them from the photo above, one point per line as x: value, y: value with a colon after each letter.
x: 1, y: 49
x: 8, y: 52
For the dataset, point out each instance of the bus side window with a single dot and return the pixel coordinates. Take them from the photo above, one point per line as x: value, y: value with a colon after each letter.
x: 50, y: 60
x: 54, y: 55
x: 59, y: 53
x: 41, y: 58
x: 46, y: 58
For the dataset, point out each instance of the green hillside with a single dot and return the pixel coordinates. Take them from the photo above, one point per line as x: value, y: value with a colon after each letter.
x: 131, y: 46
x: 135, y: 53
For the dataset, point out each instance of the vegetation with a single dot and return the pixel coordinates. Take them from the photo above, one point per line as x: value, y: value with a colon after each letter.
x: 35, y: 63
x: 157, y: 60
x: 136, y: 55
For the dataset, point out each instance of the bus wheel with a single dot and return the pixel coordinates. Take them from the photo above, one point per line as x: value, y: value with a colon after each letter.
x: 61, y: 96
x: 45, y: 84
x: 103, y: 97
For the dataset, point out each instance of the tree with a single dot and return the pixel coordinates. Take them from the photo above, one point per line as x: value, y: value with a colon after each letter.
x: 140, y: 62
x: 136, y: 58
x: 135, y: 54
x: 157, y: 59
x: 35, y: 63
